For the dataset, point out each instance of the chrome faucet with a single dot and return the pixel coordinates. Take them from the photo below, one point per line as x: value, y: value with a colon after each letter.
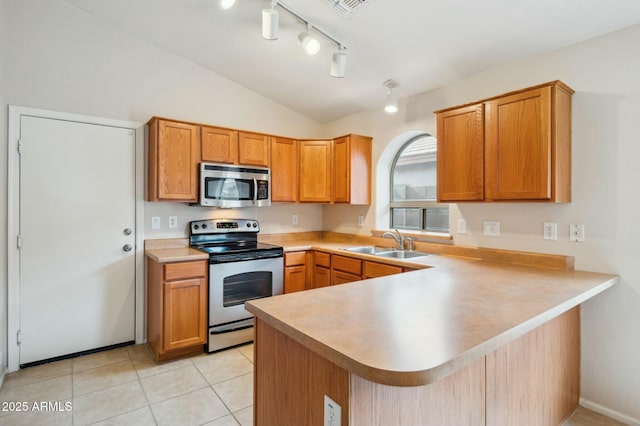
x: 399, y: 239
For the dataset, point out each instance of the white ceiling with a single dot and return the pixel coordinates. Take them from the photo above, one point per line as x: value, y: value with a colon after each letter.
x: 421, y: 44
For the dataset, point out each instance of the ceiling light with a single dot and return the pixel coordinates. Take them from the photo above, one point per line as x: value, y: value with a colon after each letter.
x: 310, y: 44
x: 227, y: 4
x: 270, y: 19
x: 338, y: 63
x: 391, y: 106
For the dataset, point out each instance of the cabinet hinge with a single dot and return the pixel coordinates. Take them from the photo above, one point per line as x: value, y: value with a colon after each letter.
x: 19, y: 336
x: 19, y: 242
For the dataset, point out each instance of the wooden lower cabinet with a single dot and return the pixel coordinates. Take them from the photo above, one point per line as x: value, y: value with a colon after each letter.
x: 295, y: 272
x: 345, y: 269
x: 321, y: 269
x: 375, y: 269
x: 176, y: 308
x: 532, y: 380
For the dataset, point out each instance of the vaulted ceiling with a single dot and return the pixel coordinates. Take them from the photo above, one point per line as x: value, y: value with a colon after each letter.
x: 421, y: 44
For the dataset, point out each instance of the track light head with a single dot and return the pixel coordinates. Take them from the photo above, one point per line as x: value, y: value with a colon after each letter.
x: 227, y: 4
x: 310, y: 44
x: 391, y: 106
x: 270, y: 23
x: 338, y: 63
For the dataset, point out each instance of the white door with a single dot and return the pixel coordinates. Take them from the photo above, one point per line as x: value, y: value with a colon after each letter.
x: 77, y: 213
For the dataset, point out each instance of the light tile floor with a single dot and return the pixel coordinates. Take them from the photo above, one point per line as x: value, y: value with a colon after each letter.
x: 126, y: 386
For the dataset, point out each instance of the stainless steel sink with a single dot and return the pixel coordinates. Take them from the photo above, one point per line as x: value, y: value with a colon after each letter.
x: 368, y: 249
x: 386, y: 252
x: 401, y: 254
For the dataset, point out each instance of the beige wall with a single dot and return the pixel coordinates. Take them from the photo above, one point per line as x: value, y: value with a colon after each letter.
x: 606, y: 147
x: 3, y: 178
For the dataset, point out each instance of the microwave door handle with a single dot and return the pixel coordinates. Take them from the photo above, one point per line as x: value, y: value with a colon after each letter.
x: 255, y: 191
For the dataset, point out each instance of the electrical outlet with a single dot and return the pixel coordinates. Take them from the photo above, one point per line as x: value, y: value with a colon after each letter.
x: 550, y: 231
x: 462, y: 226
x: 360, y: 220
x: 294, y: 219
x: 173, y: 221
x: 155, y: 222
x: 576, y: 233
x: 491, y: 228
x: 332, y: 412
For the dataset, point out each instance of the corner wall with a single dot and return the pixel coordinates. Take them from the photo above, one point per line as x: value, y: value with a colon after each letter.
x: 605, y: 175
x: 4, y: 112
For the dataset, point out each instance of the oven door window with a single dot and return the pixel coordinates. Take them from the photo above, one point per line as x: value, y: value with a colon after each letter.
x: 219, y: 188
x: 247, y: 286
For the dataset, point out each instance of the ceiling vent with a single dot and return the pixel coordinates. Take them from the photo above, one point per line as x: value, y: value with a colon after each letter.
x: 346, y: 7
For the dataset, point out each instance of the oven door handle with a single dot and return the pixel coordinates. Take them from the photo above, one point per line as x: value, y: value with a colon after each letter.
x: 255, y: 190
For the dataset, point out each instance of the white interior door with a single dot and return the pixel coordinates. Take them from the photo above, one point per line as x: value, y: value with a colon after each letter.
x: 77, y: 198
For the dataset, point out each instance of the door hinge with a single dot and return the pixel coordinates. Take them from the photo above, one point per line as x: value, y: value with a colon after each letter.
x: 19, y: 146
x: 19, y: 336
x: 19, y: 242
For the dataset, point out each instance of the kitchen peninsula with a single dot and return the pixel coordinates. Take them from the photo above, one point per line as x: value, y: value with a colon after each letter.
x: 467, y: 341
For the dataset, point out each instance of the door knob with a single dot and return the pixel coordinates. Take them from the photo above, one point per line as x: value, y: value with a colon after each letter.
x: 127, y: 247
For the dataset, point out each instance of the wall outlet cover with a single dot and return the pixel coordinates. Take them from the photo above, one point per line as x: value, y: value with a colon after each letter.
x: 550, y: 231
x: 462, y: 226
x: 155, y: 222
x: 332, y: 412
x: 491, y: 228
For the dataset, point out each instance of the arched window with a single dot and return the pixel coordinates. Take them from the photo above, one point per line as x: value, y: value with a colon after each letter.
x: 413, y: 188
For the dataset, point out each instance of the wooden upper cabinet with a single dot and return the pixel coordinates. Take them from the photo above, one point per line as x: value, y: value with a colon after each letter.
x: 284, y: 170
x: 526, y: 153
x: 219, y: 145
x: 460, y: 155
x: 316, y: 159
x: 352, y: 169
x: 253, y: 149
x: 174, y: 154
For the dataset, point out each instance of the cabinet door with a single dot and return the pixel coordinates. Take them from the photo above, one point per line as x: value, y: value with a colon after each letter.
x: 315, y: 171
x: 185, y: 313
x: 219, y: 145
x: 253, y: 149
x: 322, y: 277
x: 518, y: 139
x: 295, y: 278
x: 284, y: 170
x: 375, y: 269
x: 339, y: 277
x: 174, y: 154
x: 460, y: 156
x: 352, y: 170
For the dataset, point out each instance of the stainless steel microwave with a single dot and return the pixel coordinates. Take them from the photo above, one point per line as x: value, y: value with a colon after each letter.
x: 227, y: 186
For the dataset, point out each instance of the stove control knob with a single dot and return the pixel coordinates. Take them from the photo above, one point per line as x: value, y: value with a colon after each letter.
x: 204, y: 226
x: 255, y: 224
x: 196, y: 226
x: 248, y: 225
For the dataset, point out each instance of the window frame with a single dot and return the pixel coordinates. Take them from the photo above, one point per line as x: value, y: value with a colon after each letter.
x: 423, y: 205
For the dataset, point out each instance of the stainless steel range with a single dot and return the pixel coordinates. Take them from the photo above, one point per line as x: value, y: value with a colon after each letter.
x: 240, y: 269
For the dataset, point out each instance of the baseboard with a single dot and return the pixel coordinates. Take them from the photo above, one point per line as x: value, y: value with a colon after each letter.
x: 3, y: 372
x: 609, y: 412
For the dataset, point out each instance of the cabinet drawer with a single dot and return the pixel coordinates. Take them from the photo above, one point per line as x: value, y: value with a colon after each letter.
x: 322, y: 259
x: 375, y: 269
x: 347, y: 264
x: 181, y: 270
x: 338, y: 277
x: 295, y: 258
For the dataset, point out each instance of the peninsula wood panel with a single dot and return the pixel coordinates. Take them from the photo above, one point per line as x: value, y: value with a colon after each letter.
x: 458, y: 399
x: 536, y: 378
x: 284, y: 170
x: 219, y: 145
x: 316, y: 159
x: 460, y: 155
x: 290, y: 382
x: 253, y: 149
x: 174, y: 154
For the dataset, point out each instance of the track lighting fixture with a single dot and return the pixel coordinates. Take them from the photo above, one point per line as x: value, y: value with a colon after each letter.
x: 391, y: 106
x: 227, y: 4
x: 309, y: 43
x: 270, y: 22
x: 338, y: 62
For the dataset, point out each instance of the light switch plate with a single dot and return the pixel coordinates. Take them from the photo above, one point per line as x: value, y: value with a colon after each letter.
x: 462, y: 226
x: 360, y: 220
x: 155, y: 222
x: 294, y: 219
